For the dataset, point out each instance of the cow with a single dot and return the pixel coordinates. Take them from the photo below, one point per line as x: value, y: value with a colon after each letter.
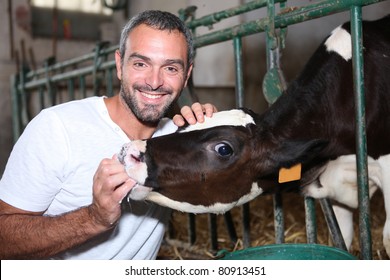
x: 238, y: 155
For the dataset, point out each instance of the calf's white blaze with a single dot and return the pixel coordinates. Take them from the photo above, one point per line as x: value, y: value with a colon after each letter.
x: 217, y: 208
x: 233, y: 117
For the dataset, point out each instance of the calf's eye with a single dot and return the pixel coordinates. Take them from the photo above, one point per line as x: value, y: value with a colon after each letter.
x: 223, y: 149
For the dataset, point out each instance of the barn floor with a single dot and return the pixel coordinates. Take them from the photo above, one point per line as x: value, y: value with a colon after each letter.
x: 262, y: 229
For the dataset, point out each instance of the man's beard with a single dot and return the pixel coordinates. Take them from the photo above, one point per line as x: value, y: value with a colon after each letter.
x: 151, y: 114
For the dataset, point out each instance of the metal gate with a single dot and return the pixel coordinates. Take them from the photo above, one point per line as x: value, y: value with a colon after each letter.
x: 86, y: 75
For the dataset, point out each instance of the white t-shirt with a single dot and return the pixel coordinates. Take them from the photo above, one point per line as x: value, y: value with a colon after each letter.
x: 51, y: 168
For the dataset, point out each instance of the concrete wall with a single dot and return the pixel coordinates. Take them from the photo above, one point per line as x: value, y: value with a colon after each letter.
x: 214, y: 65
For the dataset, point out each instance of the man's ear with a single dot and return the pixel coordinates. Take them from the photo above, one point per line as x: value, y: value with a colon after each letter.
x: 290, y: 153
x: 118, y: 63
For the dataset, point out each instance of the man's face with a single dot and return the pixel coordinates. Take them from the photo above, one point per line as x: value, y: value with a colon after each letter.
x: 154, y: 71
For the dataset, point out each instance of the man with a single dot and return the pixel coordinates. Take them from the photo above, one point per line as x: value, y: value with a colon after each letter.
x: 58, y: 198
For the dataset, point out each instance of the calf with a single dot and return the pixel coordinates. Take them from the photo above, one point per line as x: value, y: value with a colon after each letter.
x: 339, y: 183
x: 238, y: 155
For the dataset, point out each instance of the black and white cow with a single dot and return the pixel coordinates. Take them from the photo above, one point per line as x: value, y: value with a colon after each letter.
x: 237, y: 155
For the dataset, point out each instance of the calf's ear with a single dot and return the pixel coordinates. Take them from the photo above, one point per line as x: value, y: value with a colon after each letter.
x: 292, y: 152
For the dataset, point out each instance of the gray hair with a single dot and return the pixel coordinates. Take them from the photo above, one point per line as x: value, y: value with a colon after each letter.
x: 159, y: 20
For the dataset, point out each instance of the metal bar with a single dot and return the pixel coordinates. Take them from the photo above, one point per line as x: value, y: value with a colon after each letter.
x: 281, y: 20
x: 216, y: 17
x: 271, y: 39
x: 246, y: 229
x: 273, y: 82
x: 361, y: 143
x: 22, y: 99
x: 237, y: 43
x: 230, y: 227
x: 41, y: 91
x: 82, y: 86
x: 96, y: 64
x: 278, y: 218
x: 46, y: 81
x: 72, y: 62
x: 311, y: 220
x: 109, y: 82
x: 67, y: 75
x: 213, y: 231
x: 332, y: 223
x: 191, y: 228
x: 16, y: 121
x: 71, y: 94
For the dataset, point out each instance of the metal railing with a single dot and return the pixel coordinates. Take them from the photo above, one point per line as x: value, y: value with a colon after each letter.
x: 57, y: 82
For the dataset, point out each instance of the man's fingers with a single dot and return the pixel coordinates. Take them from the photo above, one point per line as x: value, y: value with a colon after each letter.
x: 188, y: 114
x: 198, y: 110
x: 194, y: 114
x: 122, y: 191
x: 209, y: 109
x: 179, y: 120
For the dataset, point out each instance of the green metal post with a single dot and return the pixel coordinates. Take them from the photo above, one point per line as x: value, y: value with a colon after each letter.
x: 191, y: 228
x: 273, y: 82
x: 298, y: 15
x: 22, y: 98
x: 41, y: 91
x: 211, y: 19
x: 213, y: 231
x: 109, y: 83
x: 361, y: 144
x: 15, y: 107
x: 311, y: 220
x: 237, y: 43
x: 333, y: 226
x: 71, y: 94
x: 278, y: 218
x: 82, y: 86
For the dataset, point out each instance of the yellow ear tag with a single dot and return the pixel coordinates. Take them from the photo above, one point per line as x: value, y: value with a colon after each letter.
x: 290, y: 174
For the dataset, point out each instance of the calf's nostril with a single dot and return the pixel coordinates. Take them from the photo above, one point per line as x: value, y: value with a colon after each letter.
x: 134, y: 157
x: 138, y: 158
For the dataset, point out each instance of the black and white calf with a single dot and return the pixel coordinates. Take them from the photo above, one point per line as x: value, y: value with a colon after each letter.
x: 237, y: 155
x: 339, y: 183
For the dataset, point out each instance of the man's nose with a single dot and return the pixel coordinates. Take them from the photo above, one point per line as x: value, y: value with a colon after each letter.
x: 154, y: 78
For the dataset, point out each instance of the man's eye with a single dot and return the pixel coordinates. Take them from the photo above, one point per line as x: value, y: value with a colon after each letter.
x: 171, y: 69
x: 139, y: 64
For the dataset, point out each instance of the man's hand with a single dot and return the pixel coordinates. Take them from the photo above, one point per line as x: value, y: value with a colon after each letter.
x: 194, y: 114
x: 110, y: 185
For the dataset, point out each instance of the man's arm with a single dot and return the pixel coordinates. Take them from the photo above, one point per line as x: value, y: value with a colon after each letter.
x: 29, y: 235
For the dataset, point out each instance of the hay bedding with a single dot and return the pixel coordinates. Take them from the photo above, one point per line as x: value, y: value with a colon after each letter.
x: 262, y: 229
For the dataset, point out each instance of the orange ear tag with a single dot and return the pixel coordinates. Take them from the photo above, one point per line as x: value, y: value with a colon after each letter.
x: 290, y: 174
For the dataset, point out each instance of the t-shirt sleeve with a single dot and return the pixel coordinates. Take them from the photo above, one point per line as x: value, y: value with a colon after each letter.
x: 165, y: 126
x: 35, y: 169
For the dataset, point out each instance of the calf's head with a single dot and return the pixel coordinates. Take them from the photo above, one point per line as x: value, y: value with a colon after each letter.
x: 209, y: 167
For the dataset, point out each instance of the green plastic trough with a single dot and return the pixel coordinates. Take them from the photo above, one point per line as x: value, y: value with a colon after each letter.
x: 287, y: 252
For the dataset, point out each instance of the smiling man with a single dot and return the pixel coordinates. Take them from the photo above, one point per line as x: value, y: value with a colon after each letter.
x: 61, y: 192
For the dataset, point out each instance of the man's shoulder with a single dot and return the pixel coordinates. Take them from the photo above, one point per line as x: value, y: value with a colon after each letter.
x: 82, y: 104
x: 165, y: 126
